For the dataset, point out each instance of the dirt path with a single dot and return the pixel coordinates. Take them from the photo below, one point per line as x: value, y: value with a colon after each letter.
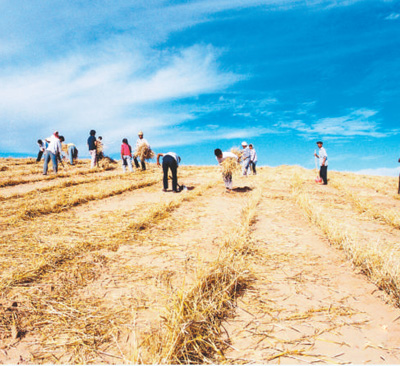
x: 308, y: 304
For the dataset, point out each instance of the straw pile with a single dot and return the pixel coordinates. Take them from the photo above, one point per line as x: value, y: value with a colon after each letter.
x: 106, y: 163
x: 231, y: 165
x: 144, y: 152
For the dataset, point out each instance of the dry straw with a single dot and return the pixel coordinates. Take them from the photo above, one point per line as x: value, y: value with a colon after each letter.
x: 144, y: 152
x: 379, y: 261
x: 193, y: 324
x: 232, y: 165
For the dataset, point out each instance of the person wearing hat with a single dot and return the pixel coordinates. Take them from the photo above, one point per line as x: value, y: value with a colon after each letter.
x: 323, y: 162
x: 170, y: 161
x: 140, y: 141
x: 245, y: 157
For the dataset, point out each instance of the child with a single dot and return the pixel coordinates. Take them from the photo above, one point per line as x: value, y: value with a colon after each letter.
x: 126, y: 155
x: 221, y: 156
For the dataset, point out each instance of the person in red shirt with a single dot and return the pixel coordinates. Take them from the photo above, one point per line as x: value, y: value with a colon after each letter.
x: 126, y: 155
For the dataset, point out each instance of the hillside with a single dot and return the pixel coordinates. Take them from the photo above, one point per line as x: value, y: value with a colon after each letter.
x: 98, y: 266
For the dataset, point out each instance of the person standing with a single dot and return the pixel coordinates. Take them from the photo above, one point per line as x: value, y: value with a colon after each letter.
x: 126, y: 155
x: 245, y: 158
x: 139, y: 142
x: 53, y: 152
x: 170, y: 161
x: 42, y: 149
x: 221, y: 156
x: 253, y: 159
x: 92, y: 143
x: 323, y: 162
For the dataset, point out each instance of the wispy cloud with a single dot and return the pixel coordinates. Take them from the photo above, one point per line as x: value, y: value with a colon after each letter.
x: 393, y: 16
x: 393, y: 172
x: 356, y: 123
x: 82, y: 91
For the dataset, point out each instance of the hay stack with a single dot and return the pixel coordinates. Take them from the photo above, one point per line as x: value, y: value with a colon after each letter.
x: 106, y: 163
x: 144, y: 152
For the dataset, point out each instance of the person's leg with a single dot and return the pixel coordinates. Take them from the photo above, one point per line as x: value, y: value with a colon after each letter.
x: 124, y: 163
x: 228, y: 181
x: 254, y: 168
x: 46, y: 162
x: 129, y: 161
x: 39, y: 156
x: 246, y: 166
x: 174, y: 170
x: 324, y: 174
x: 54, y: 162
x: 143, y: 164
x: 136, y: 162
x: 165, y: 167
x: 93, y: 158
x: 71, y: 155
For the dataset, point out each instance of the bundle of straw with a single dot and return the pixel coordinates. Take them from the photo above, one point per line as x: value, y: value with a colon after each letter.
x: 144, y: 152
x: 231, y: 165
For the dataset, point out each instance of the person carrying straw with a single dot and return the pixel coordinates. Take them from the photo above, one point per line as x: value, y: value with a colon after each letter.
x: 226, y: 159
x: 141, y: 143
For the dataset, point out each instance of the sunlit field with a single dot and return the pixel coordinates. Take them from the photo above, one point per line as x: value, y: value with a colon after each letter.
x: 98, y: 266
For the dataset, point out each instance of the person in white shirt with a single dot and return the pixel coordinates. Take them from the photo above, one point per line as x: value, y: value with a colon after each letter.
x: 253, y: 159
x: 53, y: 152
x: 221, y: 156
x: 170, y: 161
x: 245, y: 157
x: 323, y: 162
x: 140, y: 141
x: 42, y: 148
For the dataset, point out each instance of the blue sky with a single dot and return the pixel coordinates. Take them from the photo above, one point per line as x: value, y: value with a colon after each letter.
x: 196, y: 75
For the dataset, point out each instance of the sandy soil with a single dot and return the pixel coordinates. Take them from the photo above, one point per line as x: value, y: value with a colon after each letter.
x: 306, y: 303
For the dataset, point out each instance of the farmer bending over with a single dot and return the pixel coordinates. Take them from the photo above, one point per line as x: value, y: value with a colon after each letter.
x: 170, y: 161
x: 227, y: 176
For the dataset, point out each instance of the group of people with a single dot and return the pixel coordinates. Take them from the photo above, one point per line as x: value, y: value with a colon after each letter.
x: 53, y: 146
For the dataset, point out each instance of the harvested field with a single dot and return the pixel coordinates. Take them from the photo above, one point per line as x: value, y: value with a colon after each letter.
x: 99, y: 267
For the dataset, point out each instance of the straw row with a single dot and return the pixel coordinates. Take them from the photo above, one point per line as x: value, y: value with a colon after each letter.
x: 363, y: 206
x: 379, y: 263
x: 56, y: 255
x: 192, y: 332
x: 69, y: 198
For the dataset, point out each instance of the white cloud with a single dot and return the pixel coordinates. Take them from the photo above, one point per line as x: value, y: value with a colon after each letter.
x: 392, y: 172
x: 112, y: 94
x: 356, y: 123
x: 393, y: 16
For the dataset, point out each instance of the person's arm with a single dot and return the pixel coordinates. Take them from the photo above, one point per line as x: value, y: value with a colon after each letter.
x: 158, y: 158
x: 122, y: 152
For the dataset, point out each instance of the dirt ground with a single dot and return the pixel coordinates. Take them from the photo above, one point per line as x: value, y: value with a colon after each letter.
x: 110, y: 265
